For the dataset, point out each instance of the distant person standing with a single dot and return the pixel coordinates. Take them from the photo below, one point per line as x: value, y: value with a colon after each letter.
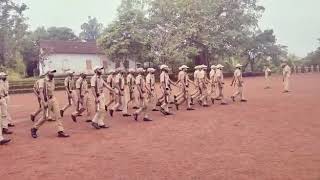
x: 3, y: 107
x: 306, y: 69
x: 286, y: 73
x: 318, y: 68
x: 267, y: 73
x: 299, y: 69
x: 312, y: 68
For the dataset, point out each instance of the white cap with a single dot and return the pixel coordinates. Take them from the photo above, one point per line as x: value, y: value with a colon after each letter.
x: 151, y: 70
x: 131, y: 70
x: 51, y: 71
x: 3, y: 74
x: 238, y: 65
x: 197, y: 67
x: 140, y: 70
x: 204, y: 66
x: 98, y: 68
x: 183, y: 67
x: 163, y: 66
x: 219, y: 66
x: 70, y: 72
x: 213, y: 67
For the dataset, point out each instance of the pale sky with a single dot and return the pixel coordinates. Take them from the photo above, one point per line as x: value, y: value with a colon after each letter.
x: 296, y: 23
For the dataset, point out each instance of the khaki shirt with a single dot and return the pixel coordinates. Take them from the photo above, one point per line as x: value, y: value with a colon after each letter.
x: 150, y: 81
x: 6, y: 85
x: 119, y: 81
x: 266, y: 72
x: 82, y: 85
x: 164, y: 79
x: 47, y: 86
x: 218, y: 76
x: 130, y: 80
x: 110, y: 80
x: 69, y: 83
x: 195, y: 76
x: 183, y: 78
x: 238, y: 76
x: 36, y: 86
x: 286, y: 71
x: 98, y: 84
x: 2, y: 89
x: 140, y: 82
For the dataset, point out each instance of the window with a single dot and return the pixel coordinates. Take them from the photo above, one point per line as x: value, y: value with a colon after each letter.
x: 89, y: 65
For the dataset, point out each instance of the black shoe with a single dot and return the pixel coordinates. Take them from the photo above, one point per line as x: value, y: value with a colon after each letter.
x: 212, y: 100
x: 158, y: 104
x: 244, y: 100
x: 155, y: 110
x: 200, y: 102
x: 50, y: 119
x: 126, y: 115
x: 191, y: 100
x: 34, y: 132
x: 177, y: 106
x: 224, y: 103
x: 233, y: 99
x: 95, y: 125
x: 135, y: 117
x: 111, y: 112
x: 11, y: 125
x: 206, y: 105
x: 218, y: 99
x: 32, y: 117
x: 118, y: 110
x: 171, y: 103
x: 106, y: 108
x: 88, y: 120
x: 63, y: 134
x: 6, y: 131
x: 135, y: 107
x: 104, y: 127
x: 147, y: 119
x: 286, y: 91
x: 4, y: 141
x: 190, y: 109
x: 61, y: 112
x: 169, y: 113
x: 163, y: 111
x: 74, y: 118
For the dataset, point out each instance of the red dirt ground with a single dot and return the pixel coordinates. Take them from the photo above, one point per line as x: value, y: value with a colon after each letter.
x: 273, y: 136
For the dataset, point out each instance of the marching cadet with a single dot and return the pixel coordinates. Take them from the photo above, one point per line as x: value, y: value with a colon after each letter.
x: 306, y: 69
x: 212, y: 84
x: 219, y: 83
x: 151, y: 85
x: 196, y: 94
x: 111, y: 95
x: 119, y: 84
x: 238, y: 82
x: 49, y: 103
x: 294, y: 68
x: 3, y: 108
x: 318, y: 68
x: 129, y: 94
x: 36, y: 91
x: 84, y: 102
x: 4, y: 105
x: 184, y: 82
x: 267, y: 72
x: 203, y: 80
x: 141, y: 88
x: 98, y: 84
x: 69, y: 84
x: 165, y: 89
x: 312, y: 68
x: 286, y: 76
x: 6, y: 83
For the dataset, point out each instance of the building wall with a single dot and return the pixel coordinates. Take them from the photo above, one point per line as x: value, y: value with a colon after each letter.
x: 78, y: 63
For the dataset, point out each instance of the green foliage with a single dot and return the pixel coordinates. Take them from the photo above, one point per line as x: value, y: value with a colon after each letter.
x: 313, y: 58
x: 91, y: 30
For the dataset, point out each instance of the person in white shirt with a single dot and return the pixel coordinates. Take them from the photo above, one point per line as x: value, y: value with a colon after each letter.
x: 238, y: 83
x: 267, y: 73
x: 286, y: 73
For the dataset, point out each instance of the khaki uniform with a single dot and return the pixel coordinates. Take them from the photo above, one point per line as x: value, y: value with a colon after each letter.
x: 218, y: 79
x: 299, y: 69
x: 184, y: 95
x: 119, y: 84
x: 84, y: 101
x: 7, y: 98
x: 165, y: 90
x: 239, y: 84
x: 36, y: 90
x: 312, y: 68
x: 129, y: 93
x: 3, y: 108
x: 47, y: 88
x: 196, y: 94
x: 286, y: 77
x: 306, y: 69
x: 97, y: 83
x: 142, y: 99
x: 111, y: 95
x: 212, y: 84
x: 318, y: 68
x: 266, y: 76
x: 151, y: 94
x: 202, y: 78
x: 70, y: 85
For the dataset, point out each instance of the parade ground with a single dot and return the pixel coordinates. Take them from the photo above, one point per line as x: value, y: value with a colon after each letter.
x: 274, y: 136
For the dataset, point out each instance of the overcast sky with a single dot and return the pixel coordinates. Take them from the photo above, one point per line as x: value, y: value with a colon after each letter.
x: 296, y: 22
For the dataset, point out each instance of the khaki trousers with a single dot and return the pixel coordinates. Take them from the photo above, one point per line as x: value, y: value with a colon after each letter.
x: 119, y: 100
x: 53, y: 108
x: 72, y: 101
x: 286, y: 83
x: 100, y: 113
x: 111, y: 99
x: 219, y: 92
x: 143, y: 101
x: 3, y: 113
x: 38, y: 111
x: 239, y: 92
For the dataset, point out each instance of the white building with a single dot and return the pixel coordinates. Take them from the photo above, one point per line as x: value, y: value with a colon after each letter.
x: 74, y: 55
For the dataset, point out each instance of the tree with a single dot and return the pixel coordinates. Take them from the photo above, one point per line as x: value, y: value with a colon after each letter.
x: 91, y: 30
x: 313, y: 58
x: 61, y: 33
